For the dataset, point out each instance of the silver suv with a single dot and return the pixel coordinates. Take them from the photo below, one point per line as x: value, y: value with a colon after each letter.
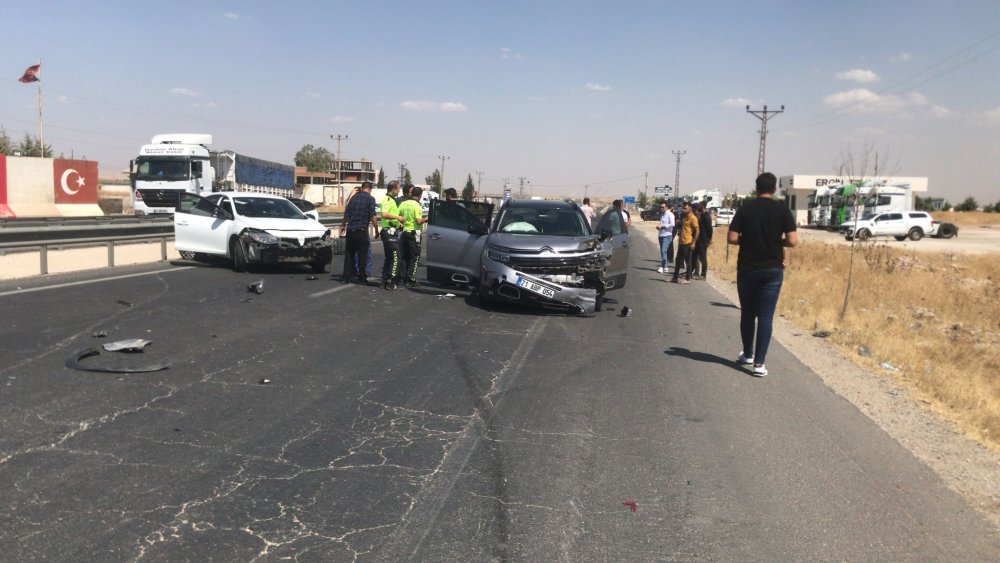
x: 535, y: 251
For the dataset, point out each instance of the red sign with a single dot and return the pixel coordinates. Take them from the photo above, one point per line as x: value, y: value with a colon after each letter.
x: 4, y: 210
x: 74, y: 181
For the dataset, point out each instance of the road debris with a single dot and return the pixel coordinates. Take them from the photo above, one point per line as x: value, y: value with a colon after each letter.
x: 256, y: 287
x: 631, y: 504
x: 124, y: 303
x: 130, y: 345
x: 865, y: 352
x: 821, y: 333
x: 264, y: 381
x: 888, y: 366
x: 626, y: 312
x: 73, y: 361
x: 446, y: 296
x: 100, y: 334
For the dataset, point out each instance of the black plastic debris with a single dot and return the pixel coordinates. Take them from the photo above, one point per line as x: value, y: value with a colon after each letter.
x: 264, y: 381
x: 256, y: 287
x: 247, y: 300
x: 124, y: 303
x: 626, y: 312
x: 100, y: 334
x: 821, y: 333
x: 75, y: 359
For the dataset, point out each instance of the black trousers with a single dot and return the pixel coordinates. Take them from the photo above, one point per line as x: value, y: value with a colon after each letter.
x: 357, y: 244
x: 409, y: 255
x: 683, y: 257
x: 390, y: 246
x: 700, y: 257
x: 670, y: 251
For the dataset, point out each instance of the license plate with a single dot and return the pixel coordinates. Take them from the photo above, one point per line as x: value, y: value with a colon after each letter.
x: 161, y: 211
x: 536, y: 288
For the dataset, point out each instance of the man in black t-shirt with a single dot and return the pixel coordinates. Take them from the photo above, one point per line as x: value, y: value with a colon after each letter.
x: 763, y: 228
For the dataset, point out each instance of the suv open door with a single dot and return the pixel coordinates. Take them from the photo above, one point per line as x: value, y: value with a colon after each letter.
x: 611, y: 229
x: 456, y: 233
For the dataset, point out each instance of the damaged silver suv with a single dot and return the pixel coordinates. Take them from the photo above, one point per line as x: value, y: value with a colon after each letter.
x: 535, y: 251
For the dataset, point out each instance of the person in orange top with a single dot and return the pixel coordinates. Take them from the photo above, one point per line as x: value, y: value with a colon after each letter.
x: 688, y: 234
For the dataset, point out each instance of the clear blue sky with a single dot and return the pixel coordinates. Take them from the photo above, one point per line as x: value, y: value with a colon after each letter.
x: 564, y: 94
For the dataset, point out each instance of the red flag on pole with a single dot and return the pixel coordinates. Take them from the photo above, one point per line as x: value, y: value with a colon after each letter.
x: 30, y: 75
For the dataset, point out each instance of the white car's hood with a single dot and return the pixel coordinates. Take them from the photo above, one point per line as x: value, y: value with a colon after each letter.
x: 285, y: 227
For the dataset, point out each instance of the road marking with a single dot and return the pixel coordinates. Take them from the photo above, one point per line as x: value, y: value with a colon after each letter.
x: 88, y: 282
x: 328, y: 291
x: 406, y: 542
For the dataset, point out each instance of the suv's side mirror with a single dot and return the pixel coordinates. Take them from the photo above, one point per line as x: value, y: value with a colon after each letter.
x: 605, y: 234
x: 477, y: 229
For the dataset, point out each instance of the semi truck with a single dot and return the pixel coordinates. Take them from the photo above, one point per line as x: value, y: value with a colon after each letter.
x: 889, y: 198
x: 182, y: 162
x: 845, y: 201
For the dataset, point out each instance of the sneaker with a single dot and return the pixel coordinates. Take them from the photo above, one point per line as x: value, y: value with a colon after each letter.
x: 759, y: 370
x: 696, y: 277
x: 659, y: 270
x: 745, y: 360
x: 345, y: 280
x: 413, y: 283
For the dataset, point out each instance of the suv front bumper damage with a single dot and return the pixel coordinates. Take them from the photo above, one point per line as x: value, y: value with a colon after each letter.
x: 575, y: 288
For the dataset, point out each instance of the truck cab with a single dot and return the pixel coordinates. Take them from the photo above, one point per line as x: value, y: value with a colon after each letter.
x: 170, y: 165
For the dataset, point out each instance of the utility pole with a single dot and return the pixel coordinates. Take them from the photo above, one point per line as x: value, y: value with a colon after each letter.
x: 402, y: 169
x: 677, y: 173
x: 520, y: 190
x: 586, y: 187
x: 441, y: 188
x: 763, y: 116
x: 645, y: 189
x: 340, y: 183
x: 479, y: 185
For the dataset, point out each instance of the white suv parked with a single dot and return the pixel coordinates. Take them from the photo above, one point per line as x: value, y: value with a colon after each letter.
x: 898, y: 224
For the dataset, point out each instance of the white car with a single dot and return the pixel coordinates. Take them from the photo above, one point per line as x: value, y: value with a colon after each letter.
x: 249, y: 228
x: 898, y: 224
x: 724, y: 216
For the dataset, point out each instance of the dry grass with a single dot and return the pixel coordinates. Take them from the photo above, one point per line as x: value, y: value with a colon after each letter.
x: 935, y: 317
x: 968, y: 218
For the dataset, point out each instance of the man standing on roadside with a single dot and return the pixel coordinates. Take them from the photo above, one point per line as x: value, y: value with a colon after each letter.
x: 409, y: 241
x: 620, y: 206
x: 391, y: 226
x: 763, y: 228
x: 685, y: 244
x: 360, y: 211
x: 705, y: 228
x: 588, y: 212
x: 666, y: 235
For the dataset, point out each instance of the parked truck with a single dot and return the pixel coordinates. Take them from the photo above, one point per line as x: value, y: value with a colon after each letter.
x: 883, y: 199
x: 845, y: 203
x: 182, y: 162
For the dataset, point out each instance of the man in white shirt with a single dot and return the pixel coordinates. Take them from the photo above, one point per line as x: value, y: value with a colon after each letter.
x: 666, y: 234
x: 588, y: 211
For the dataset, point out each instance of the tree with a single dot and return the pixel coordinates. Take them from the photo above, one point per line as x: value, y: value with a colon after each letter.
x: 380, y: 181
x: 32, y: 146
x: 407, y: 178
x: 970, y: 204
x: 6, y: 145
x: 642, y: 200
x: 434, y: 181
x: 469, y: 191
x: 314, y: 159
x: 862, y: 167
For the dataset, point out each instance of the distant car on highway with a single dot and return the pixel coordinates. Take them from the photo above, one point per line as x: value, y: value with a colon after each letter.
x: 249, y: 228
x: 724, y: 216
x: 650, y: 214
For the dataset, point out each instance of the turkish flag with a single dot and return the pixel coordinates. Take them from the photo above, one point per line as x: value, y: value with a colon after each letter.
x: 74, y: 181
x: 30, y: 75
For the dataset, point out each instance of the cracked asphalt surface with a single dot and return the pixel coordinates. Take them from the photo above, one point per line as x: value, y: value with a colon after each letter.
x: 397, y: 426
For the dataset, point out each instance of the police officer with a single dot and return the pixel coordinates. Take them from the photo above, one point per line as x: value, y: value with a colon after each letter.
x: 409, y: 241
x: 391, y: 224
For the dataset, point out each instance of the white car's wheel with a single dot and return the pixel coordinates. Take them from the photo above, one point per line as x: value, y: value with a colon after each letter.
x: 239, y: 256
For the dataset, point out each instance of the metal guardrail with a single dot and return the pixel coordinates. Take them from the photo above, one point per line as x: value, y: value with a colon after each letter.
x: 43, y: 234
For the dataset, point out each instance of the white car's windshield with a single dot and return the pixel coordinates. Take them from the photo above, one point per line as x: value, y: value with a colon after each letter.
x: 532, y: 221
x: 267, y: 207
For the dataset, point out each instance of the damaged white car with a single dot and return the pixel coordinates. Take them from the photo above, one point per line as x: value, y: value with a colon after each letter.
x: 536, y: 251
x: 249, y: 228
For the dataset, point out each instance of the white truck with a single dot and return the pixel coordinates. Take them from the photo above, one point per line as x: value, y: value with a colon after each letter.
x: 883, y: 199
x: 182, y: 162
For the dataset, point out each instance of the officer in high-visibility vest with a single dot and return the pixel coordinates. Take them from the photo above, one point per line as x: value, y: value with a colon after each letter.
x: 409, y: 241
x: 391, y: 227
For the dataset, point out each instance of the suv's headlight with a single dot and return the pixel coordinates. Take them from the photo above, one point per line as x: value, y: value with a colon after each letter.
x: 262, y: 237
x: 497, y: 253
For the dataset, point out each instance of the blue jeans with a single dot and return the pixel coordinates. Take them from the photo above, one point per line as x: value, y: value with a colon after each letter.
x: 758, y: 290
x: 665, y: 243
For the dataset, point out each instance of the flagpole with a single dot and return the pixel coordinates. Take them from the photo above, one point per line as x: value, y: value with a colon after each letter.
x: 41, y: 129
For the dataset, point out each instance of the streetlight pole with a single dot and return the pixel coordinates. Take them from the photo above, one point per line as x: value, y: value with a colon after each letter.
x: 441, y: 188
x: 340, y: 184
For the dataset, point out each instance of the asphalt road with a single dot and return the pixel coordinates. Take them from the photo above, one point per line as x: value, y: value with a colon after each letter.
x: 400, y: 426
